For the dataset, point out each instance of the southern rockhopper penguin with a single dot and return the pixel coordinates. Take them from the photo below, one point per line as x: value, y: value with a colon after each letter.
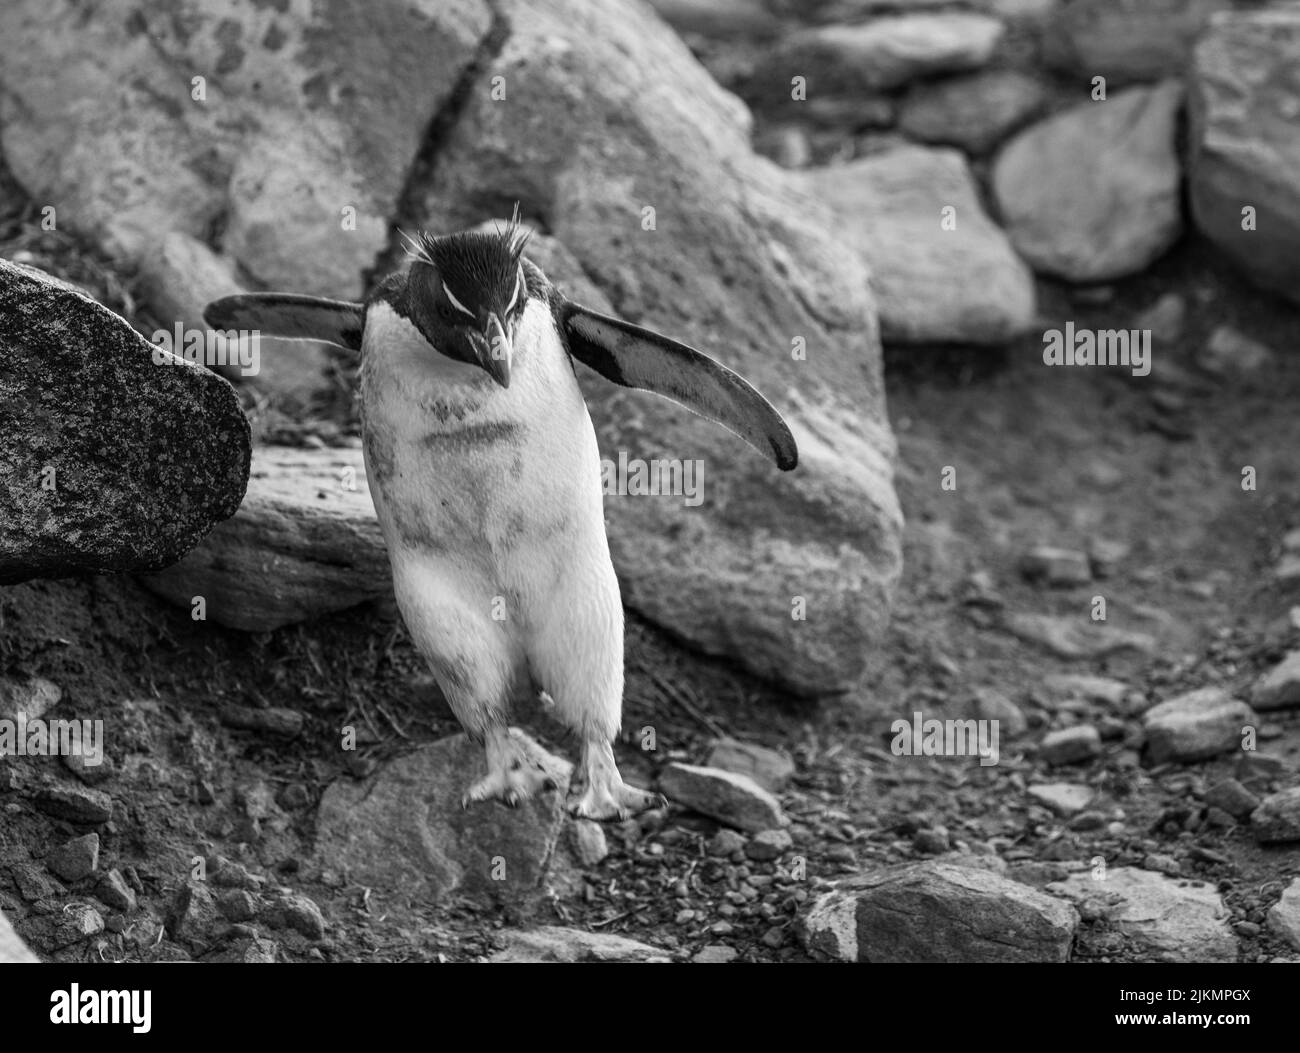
x: 483, y: 465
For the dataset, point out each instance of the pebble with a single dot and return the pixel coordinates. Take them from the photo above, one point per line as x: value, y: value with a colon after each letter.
x: 1280, y: 687
x: 769, y: 845
x: 236, y: 904
x: 1277, y: 819
x: 77, y: 804
x: 301, y: 913
x: 1064, y: 798
x: 715, y: 954
x: 1071, y: 745
x: 76, y: 859
x: 931, y: 842
x: 1195, y: 725
x: 722, y: 795
x: 1232, y: 797
x: 725, y: 842
x: 767, y: 767
x: 1056, y: 566
x: 113, y: 891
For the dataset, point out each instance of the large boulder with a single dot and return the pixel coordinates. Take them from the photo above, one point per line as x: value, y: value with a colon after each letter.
x: 289, y: 130
x: 975, y: 112
x: 1245, y: 151
x: 883, y: 53
x: 181, y: 275
x: 1127, y: 41
x: 110, y: 462
x: 1093, y: 193
x: 304, y: 543
x: 938, y: 282
x: 607, y: 115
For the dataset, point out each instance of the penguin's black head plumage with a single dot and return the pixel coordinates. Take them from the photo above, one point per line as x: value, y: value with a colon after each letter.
x: 466, y: 293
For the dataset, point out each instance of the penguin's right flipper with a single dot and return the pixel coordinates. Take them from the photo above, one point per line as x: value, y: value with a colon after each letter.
x: 288, y: 316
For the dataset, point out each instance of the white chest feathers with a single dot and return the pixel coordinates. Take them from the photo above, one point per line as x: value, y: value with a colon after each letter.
x: 458, y: 464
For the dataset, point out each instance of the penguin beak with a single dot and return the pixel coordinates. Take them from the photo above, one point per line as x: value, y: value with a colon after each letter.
x: 495, y: 351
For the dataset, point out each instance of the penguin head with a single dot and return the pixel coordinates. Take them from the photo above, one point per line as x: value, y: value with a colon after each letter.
x: 466, y: 293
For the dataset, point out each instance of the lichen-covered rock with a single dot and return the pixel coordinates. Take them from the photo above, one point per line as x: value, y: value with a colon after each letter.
x: 289, y: 128
x: 1245, y: 154
x: 109, y: 462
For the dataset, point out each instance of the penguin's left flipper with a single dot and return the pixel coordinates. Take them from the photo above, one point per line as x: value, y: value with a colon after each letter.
x: 641, y: 358
x: 289, y: 316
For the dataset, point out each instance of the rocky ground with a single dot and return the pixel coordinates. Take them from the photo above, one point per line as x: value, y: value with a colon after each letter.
x: 1108, y: 565
x: 222, y: 744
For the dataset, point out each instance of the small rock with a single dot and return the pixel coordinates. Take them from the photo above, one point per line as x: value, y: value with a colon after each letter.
x: 1195, y: 726
x: 113, y: 891
x: 1232, y: 797
x: 275, y: 720
x: 77, y: 804
x: 1076, y: 637
x: 1165, y: 318
x: 193, y: 915
x: 991, y: 704
x: 1229, y: 351
x: 715, y: 954
x: 770, y: 769
x: 1106, y: 555
x: 1064, y: 798
x: 1071, y: 745
x: 236, y: 904
x: 92, y: 774
x: 301, y: 913
x: 1101, y: 689
x: 769, y: 844
x: 1162, y: 864
x: 1279, y: 688
x: 588, y: 841
x: 725, y: 842
x: 75, y: 923
x: 931, y: 842
x: 1256, y: 769
x: 1287, y: 571
x: 1277, y: 819
x: 33, y: 883
x: 559, y: 944
x: 31, y: 697
x: 1056, y: 566
x: 1284, y: 915
x: 248, y: 950
x: 722, y: 795
x: 974, y: 112
x: 76, y: 859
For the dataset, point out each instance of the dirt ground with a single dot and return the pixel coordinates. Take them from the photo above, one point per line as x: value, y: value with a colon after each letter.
x: 1150, y: 466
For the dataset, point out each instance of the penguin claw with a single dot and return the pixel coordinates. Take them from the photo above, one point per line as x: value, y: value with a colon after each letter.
x: 615, y: 801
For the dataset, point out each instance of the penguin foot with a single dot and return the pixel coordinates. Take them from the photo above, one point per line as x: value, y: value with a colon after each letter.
x: 614, y: 801
x: 514, y: 775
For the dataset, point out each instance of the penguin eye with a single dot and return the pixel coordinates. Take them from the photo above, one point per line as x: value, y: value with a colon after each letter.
x: 445, y: 306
